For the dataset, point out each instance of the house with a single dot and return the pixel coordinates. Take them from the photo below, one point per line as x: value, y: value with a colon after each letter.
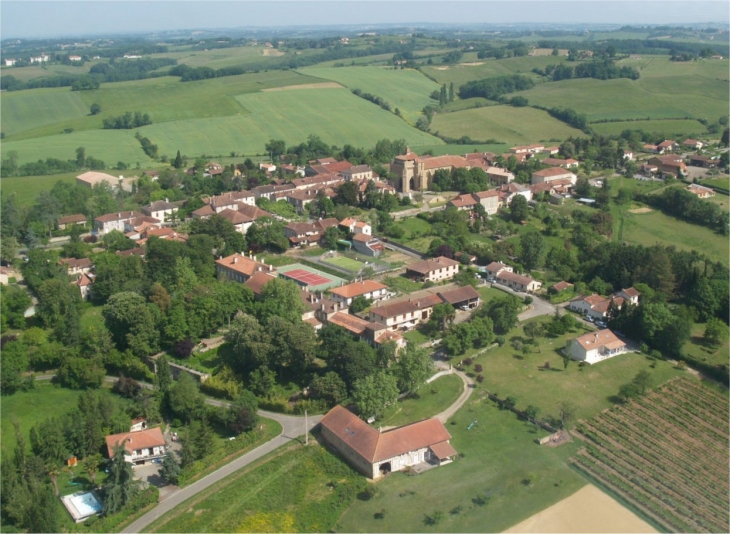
x: 69, y: 220
x: 630, y: 295
x: 666, y: 146
x: 702, y: 161
x: 553, y: 173
x: 369, y: 289
x: 489, y: 200
x: 77, y: 266
x: 239, y: 221
x: 267, y: 191
x: 496, y: 267
x: 499, y: 176
x: 43, y: 58
x: 669, y: 164
x: 357, y: 172
x: 381, y: 187
x: 138, y: 424
x: 508, y: 191
x: 74, y: 58
x: 303, y: 234
x: 213, y: 169
x: 301, y: 199
x: 318, y: 181
x: 526, y: 149
x: 6, y: 273
x: 518, y: 282
x: 560, y: 286
x: 114, y: 221
x: 375, y: 453
x: 91, y: 178
x: 162, y: 233
x: 464, y: 202
x: 327, y: 167
x: 139, y: 447
x: 367, y: 245
x: 595, y: 306
x: 10, y: 62
x: 405, y: 314
x: 206, y: 212
x: 85, y: 285
x: 161, y: 210
x: 433, y: 270
x: 363, y: 228
x: 693, y: 143
x: 700, y: 190
x: 569, y: 163
x: 464, y: 298
x: 136, y: 251
x: 253, y: 212
x: 628, y: 155
x: 551, y: 150
x: 652, y: 149
x: 240, y: 268
x: 595, y: 346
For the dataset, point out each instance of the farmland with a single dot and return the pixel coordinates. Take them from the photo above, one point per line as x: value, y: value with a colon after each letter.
x: 667, y: 128
x: 289, y: 115
x: 665, y: 454
x: 507, y: 124
x: 27, y: 188
x: 32, y: 109
x: 408, y: 90
x: 487, y: 68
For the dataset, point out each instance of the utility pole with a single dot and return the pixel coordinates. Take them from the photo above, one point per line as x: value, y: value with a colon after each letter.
x: 306, y: 427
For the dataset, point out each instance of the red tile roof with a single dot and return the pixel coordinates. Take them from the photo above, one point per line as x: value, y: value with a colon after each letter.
x: 134, y: 441
x: 427, y: 266
x: 358, y: 288
x: 72, y: 219
x: 349, y: 322
x: 600, y: 338
x: 459, y: 295
x: 241, y: 264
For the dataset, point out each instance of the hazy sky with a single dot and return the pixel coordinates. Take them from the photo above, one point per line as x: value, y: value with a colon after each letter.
x: 43, y: 18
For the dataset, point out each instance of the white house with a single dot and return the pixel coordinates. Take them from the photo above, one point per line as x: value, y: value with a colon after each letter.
x: 595, y: 346
x: 114, y: 221
x: 489, y: 200
x: 139, y: 447
x: 518, y: 282
x: 376, y: 453
x: 10, y: 62
x: 369, y: 289
x: 361, y: 227
x: 551, y: 174
x: 435, y: 270
x: 161, y: 210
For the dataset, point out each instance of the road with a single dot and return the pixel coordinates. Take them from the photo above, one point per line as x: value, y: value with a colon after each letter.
x: 537, y: 308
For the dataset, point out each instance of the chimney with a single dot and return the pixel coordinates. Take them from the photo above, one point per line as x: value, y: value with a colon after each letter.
x: 129, y: 440
x: 271, y: 268
x: 235, y: 260
x: 322, y: 306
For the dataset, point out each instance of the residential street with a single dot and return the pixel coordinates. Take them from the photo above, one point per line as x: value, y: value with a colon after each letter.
x: 537, y: 308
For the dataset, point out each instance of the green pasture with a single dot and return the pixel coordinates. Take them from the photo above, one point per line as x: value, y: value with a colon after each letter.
x: 345, y: 263
x: 27, y: 188
x: 430, y: 400
x: 474, y: 102
x: 500, y: 478
x: 301, y: 489
x: 46, y: 71
x: 665, y: 127
x: 26, y: 110
x: 488, y: 68
x: 661, y: 67
x: 511, y: 372
x: 508, y: 124
x: 440, y: 150
x: 32, y: 407
x: 632, y: 99
x: 110, y: 146
x: 218, y: 58
x: 405, y: 89
x: 655, y: 227
x: 336, y: 115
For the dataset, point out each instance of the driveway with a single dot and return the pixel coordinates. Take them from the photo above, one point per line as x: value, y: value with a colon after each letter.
x: 537, y: 308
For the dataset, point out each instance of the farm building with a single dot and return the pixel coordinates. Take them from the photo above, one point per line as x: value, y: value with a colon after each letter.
x: 595, y: 346
x: 375, y: 453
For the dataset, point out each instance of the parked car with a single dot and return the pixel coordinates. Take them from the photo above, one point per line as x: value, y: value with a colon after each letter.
x: 589, y: 318
x: 601, y: 324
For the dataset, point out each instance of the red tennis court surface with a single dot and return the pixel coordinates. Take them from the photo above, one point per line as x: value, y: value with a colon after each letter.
x: 310, y: 279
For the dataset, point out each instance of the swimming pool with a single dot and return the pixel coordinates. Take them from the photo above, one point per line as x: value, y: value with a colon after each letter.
x: 82, y: 505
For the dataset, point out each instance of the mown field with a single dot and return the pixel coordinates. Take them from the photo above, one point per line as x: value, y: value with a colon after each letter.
x: 221, y: 57
x: 336, y: 115
x: 507, y: 124
x: 666, y: 127
x: 666, y: 454
x: 654, y: 227
x: 430, y: 400
x: 27, y: 188
x: 408, y: 90
x: 487, y: 68
x: 27, y: 110
x: 439, y: 150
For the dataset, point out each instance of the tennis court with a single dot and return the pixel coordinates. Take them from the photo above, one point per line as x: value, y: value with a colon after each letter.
x: 309, y: 277
x: 345, y: 263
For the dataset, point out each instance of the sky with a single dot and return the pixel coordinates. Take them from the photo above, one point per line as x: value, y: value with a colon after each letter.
x: 44, y: 18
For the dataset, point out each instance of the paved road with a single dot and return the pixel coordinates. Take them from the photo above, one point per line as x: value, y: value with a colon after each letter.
x: 537, y: 308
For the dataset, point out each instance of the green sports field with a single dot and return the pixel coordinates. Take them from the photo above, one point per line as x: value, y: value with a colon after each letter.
x: 408, y: 90
x: 507, y: 124
x: 666, y: 127
x: 336, y: 115
x: 346, y: 263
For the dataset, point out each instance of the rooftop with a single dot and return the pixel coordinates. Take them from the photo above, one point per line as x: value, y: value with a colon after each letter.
x: 427, y: 266
x: 600, y: 338
x: 133, y: 441
x: 358, y: 288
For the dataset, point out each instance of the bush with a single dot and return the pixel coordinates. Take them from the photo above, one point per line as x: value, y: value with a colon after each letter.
x: 478, y: 368
x: 500, y: 340
x: 480, y: 378
x: 644, y: 348
x: 527, y: 301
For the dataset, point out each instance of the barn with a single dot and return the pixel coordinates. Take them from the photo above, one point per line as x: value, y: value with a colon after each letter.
x: 376, y: 453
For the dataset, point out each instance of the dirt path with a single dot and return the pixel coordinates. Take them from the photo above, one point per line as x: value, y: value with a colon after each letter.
x: 451, y: 410
x: 587, y: 510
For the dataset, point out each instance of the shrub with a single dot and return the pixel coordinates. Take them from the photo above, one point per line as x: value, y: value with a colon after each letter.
x: 478, y: 368
x: 480, y: 378
x: 528, y: 300
x: 500, y: 340
x: 644, y: 348
x: 467, y: 361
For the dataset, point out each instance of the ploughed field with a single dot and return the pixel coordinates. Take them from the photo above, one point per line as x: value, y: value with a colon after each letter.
x: 665, y: 454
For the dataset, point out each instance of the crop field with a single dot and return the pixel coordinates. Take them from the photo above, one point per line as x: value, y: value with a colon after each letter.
x: 665, y: 454
x: 507, y: 124
x: 109, y: 146
x: 26, y: 110
x: 47, y: 71
x: 220, y: 57
x: 666, y: 127
x: 629, y: 99
x: 487, y: 68
x: 301, y: 490
x: 336, y: 115
x: 655, y: 227
x: 408, y: 90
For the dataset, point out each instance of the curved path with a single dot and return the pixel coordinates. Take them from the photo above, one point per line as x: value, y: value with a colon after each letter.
x: 468, y: 389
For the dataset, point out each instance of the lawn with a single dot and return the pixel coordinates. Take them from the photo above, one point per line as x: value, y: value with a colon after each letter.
x: 402, y: 284
x: 432, y: 399
x: 697, y: 348
x: 92, y: 317
x: 651, y: 228
x: 31, y: 407
x: 500, y: 478
x: 27, y: 188
x: 507, y: 124
x: 336, y: 115
x: 509, y: 372
x: 346, y: 263
x: 405, y: 89
x: 416, y: 336
x: 668, y: 128
x: 296, y: 489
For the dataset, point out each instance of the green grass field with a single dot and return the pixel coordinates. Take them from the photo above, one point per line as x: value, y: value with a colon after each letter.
x: 302, y: 489
x: 487, y: 68
x: 31, y: 407
x: 432, y: 399
x: 440, y: 150
x: 499, y: 456
x: 651, y: 228
x: 697, y: 348
x: 665, y: 127
x: 346, y: 263
x: 508, y: 124
x: 407, y: 90
x: 336, y: 115
x: 221, y: 57
x: 26, y: 110
x: 27, y: 188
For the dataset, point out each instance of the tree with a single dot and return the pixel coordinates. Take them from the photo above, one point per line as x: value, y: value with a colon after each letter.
x: 275, y: 147
x: 451, y: 92
x: 641, y: 380
x: 518, y: 209
x: 163, y: 377
x: 412, y: 368
x: 178, y: 161
x: 374, y: 393
x: 120, y: 486
x: 566, y: 410
x: 533, y: 250
x: 331, y: 237
x: 359, y: 304
x: 80, y: 157
x: 170, y: 470
x: 262, y: 381
x: 132, y: 323
x: 533, y: 330
x: 96, y: 109
x: 242, y: 413
x: 280, y: 298
x: 442, y: 317
x: 329, y: 388
x: 716, y: 332
x: 13, y: 303
x: 184, y: 398
x: 347, y: 194
x: 42, y: 513
x: 92, y: 464
x: 9, y: 248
